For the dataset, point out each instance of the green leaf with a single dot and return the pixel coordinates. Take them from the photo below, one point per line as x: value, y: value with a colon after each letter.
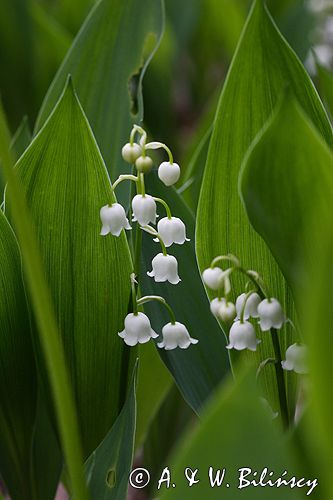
x: 325, y: 78
x: 262, y: 67
x: 18, y: 384
x: 190, y: 190
x: 66, y: 183
x: 154, y: 382
x: 21, y: 138
x: 235, y: 432
x: 287, y: 186
x: 199, y: 369
x: 288, y: 172
x: 109, y: 466
x: 47, y: 460
x: 114, y: 44
x: 45, y: 318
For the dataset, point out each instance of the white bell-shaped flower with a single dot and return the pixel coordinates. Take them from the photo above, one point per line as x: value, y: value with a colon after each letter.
x: 270, y: 314
x: 171, y: 231
x: 213, y: 277
x: 113, y: 219
x: 137, y: 329
x: 243, y: 336
x: 131, y: 152
x: 144, y: 209
x: 165, y: 268
x: 296, y: 359
x: 222, y: 309
x: 176, y: 335
x: 251, y: 306
x: 169, y: 173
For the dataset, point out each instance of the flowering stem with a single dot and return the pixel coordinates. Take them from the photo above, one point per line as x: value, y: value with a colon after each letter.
x: 166, y: 206
x: 143, y: 134
x: 142, y: 184
x: 280, y: 379
x: 125, y: 177
x: 135, y: 304
x: 241, y: 318
x: 229, y: 257
x: 150, y: 298
x: 153, y: 232
x: 157, y: 145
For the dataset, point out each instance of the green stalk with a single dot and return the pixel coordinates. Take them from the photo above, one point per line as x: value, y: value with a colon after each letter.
x: 46, y: 321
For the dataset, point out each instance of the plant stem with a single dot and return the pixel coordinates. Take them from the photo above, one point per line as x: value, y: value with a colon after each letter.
x: 280, y: 379
x: 150, y: 298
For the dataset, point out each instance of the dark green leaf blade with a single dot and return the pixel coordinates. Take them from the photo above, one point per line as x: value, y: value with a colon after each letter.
x: 116, y: 42
x: 261, y: 69
x: 199, y: 369
x: 66, y: 183
x: 109, y: 466
x: 235, y: 432
x: 18, y: 384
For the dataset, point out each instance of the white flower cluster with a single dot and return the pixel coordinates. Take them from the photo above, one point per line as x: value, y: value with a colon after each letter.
x: 252, y: 305
x: 170, y: 230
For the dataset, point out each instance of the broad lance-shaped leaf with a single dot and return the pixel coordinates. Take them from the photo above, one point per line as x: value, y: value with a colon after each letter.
x: 287, y: 187
x: 109, y: 466
x: 261, y: 69
x: 114, y: 44
x: 286, y: 179
x: 236, y: 432
x: 66, y: 183
x: 200, y: 368
x: 18, y: 384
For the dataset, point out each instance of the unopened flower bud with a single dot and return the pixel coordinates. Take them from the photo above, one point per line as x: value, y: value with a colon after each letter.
x: 169, y: 173
x: 270, y: 314
x: 296, y: 359
x: 131, y: 152
x: 165, y: 268
x: 137, y: 329
x: 213, y: 277
x: 144, y: 164
x: 113, y: 219
x: 176, y: 335
x: 243, y: 336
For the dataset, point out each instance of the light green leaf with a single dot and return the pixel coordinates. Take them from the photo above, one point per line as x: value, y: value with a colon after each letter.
x: 109, y: 466
x: 287, y: 186
x: 199, y: 369
x: 262, y: 67
x: 325, y: 78
x: 45, y: 318
x: 114, y: 44
x: 235, y: 432
x: 66, y: 183
x: 18, y: 384
x: 287, y: 177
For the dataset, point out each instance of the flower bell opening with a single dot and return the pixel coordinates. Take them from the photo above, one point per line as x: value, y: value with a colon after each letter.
x: 176, y: 335
x: 113, y: 219
x: 243, y: 336
x: 165, y: 268
x: 137, y: 329
x: 172, y: 231
x: 144, y: 209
